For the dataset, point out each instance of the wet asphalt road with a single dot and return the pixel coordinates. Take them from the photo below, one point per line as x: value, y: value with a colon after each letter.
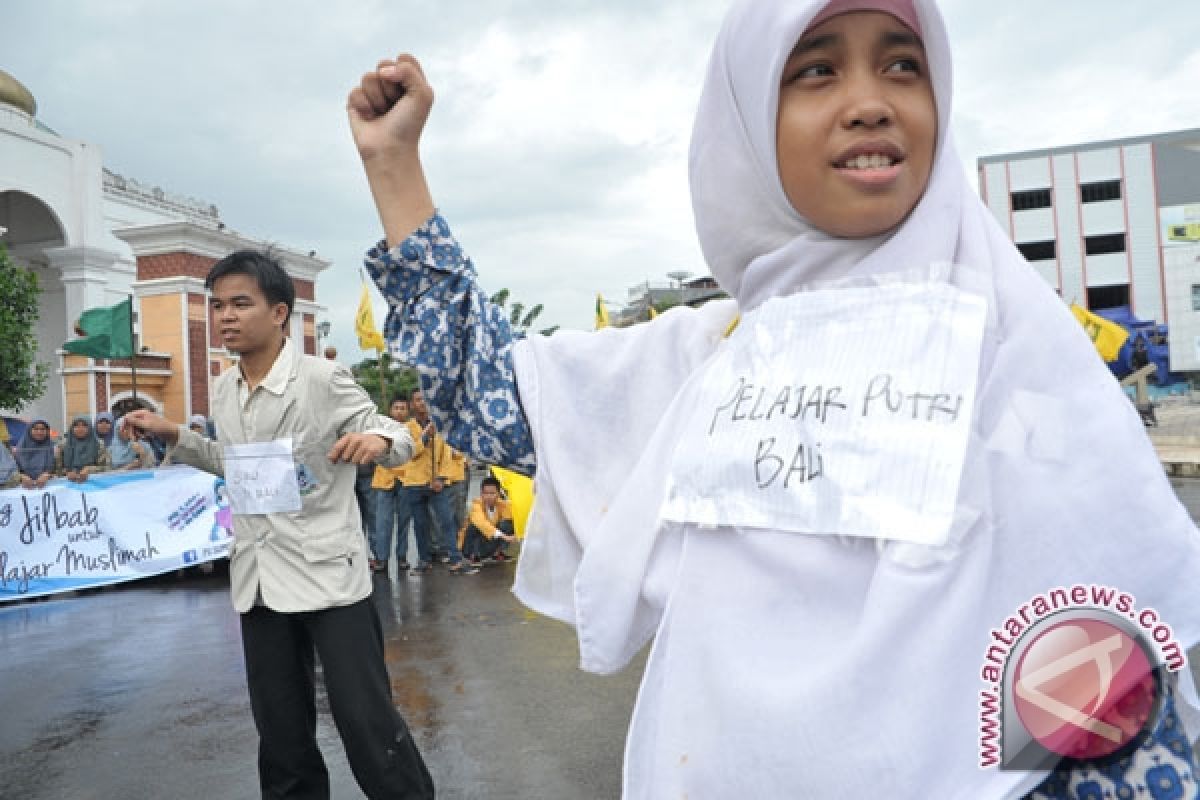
x: 138, y: 692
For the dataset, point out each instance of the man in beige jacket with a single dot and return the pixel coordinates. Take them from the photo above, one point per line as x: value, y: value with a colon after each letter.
x: 291, y: 430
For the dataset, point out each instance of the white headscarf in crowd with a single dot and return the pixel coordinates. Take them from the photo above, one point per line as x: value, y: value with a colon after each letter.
x: 121, y: 452
x: 1060, y: 484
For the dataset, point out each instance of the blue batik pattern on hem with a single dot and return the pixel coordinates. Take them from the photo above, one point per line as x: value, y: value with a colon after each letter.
x: 459, y: 342
x: 1163, y: 768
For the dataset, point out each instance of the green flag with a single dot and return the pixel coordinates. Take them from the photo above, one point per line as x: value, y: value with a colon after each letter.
x: 106, y: 332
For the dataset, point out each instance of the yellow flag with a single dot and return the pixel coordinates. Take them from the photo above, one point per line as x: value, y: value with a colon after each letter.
x: 653, y: 313
x: 520, y: 496
x: 1106, y: 335
x: 369, y: 337
x: 601, y: 312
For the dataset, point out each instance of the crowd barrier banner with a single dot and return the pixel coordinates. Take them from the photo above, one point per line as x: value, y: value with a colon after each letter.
x: 115, y: 527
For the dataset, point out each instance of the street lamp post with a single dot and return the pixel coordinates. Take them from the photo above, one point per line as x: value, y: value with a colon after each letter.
x: 322, y: 333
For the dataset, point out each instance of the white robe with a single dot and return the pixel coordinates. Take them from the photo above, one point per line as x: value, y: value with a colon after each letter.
x: 796, y: 665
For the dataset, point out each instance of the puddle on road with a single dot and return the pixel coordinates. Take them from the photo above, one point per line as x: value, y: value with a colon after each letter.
x: 410, y: 693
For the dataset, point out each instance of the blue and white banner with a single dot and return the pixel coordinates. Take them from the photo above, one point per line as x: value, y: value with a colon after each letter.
x: 115, y: 527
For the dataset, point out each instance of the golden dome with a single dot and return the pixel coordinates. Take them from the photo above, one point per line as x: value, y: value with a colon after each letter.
x: 13, y: 93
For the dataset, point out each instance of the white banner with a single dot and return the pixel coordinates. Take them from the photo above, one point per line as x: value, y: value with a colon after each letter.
x: 836, y: 411
x: 115, y: 527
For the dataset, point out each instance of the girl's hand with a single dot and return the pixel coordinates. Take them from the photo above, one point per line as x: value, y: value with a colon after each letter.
x: 388, y: 109
x: 387, y: 112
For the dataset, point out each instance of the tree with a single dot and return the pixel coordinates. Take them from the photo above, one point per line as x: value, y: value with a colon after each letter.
x: 520, y: 319
x: 401, y: 379
x: 22, y: 378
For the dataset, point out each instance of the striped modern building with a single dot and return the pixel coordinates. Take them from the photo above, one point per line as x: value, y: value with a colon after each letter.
x: 1099, y: 220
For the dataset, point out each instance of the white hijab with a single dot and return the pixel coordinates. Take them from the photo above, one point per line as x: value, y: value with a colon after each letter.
x: 1060, y: 484
x: 755, y: 243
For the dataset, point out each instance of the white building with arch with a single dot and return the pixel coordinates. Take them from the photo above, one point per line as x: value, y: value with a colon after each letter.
x: 94, y: 237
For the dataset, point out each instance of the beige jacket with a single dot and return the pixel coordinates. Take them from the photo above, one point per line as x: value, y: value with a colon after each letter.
x: 315, y: 558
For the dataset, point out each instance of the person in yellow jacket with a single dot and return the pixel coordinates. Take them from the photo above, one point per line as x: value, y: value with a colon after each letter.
x: 489, y: 528
x: 453, y: 470
x: 423, y: 491
x: 390, y: 513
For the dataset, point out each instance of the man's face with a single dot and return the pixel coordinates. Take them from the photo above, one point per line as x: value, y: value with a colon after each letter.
x: 243, y: 317
x: 417, y: 403
x: 398, y: 410
x: 857, y: 124
x: 490, y: 495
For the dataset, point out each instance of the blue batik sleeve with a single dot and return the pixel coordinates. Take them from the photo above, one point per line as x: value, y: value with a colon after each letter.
x: 459, y: 342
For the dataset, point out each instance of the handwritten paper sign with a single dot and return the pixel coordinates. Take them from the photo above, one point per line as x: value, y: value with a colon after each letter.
x: 261, y: 477
x: 841, y: 411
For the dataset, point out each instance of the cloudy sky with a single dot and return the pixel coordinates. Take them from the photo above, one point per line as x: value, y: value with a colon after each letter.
x: 557, y: 145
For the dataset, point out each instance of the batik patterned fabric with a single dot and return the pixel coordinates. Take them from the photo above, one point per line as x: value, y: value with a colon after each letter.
x: 1163, y: 768
x: 459, y: 342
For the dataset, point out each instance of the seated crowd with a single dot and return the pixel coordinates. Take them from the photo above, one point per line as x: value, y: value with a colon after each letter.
x: 87, y: 448
x: 429, y: 493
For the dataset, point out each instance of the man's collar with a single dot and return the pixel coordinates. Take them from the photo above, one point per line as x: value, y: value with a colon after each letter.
x: 277, y: 379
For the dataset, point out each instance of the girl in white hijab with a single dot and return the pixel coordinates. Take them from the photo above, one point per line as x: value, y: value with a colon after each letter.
x: 834, y: 518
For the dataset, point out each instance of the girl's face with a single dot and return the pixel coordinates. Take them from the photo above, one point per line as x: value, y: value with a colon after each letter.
x: 80, y: 429
x: 857, y: 124
x: 39, y: 433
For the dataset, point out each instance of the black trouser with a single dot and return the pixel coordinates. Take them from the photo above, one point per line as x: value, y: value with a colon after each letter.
x: 279, y: 651
x: 476, y: 545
